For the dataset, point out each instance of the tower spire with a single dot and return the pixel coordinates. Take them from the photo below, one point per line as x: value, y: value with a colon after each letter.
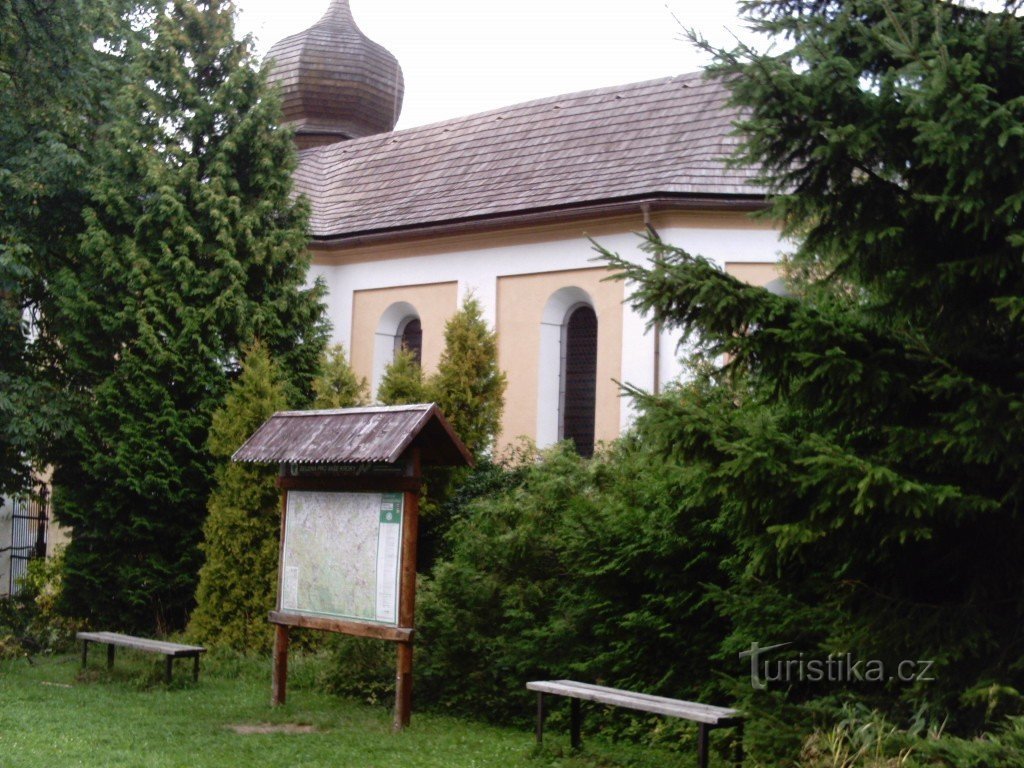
x: 338, y: 10
x: 335, y: 82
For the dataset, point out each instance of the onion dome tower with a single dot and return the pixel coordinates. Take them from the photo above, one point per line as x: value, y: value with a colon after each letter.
x: 335, y: 82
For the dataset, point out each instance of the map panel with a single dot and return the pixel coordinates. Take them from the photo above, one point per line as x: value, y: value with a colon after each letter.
x: 341, y: 555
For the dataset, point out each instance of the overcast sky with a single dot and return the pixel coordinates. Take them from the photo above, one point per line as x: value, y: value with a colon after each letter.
x: 465, y: 56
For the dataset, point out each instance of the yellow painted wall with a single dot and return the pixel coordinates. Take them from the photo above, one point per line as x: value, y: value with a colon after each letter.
x: 755, y: 273
x: 435, y: 303
x: 521, y: 302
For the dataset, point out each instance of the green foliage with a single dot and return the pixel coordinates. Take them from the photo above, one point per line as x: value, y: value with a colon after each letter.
x: 866, y: 445
x: 54, y: 92
x: 30, y: 624
x: 192, y: 248
x: 336, y: 385
x: 594, y: 570
x: 237, y: 583
x: 857, y: 737
x: 402, y: 383
x: 361, y: 668
x: 468, y: 386
x: 1001, y: 748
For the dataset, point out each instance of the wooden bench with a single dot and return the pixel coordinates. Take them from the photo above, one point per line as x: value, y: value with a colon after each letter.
x: 171, y: 651
x: 706, y: 716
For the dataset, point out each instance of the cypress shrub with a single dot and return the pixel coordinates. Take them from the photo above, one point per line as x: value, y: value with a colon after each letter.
x: 237, y: 583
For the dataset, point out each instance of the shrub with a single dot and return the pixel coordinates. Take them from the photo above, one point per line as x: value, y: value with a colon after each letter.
x: 468, y: 386
x: 402, y: 383
x: 336, y: 385
x: 1001, y: 748
x: 237, y: 583
x: 361, y: 668
x: 29, y: 621
x: 594, y: 570
x: 857, y: 737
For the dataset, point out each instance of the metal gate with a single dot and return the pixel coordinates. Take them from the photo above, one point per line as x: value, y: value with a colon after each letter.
x: 28, y: 536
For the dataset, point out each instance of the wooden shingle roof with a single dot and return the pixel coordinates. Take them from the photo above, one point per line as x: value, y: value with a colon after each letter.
x: 335, y: 82
x: 355, y: 436
x: 661, y: 138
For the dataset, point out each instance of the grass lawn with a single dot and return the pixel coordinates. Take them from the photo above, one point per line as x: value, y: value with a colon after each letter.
x: 54, y: 715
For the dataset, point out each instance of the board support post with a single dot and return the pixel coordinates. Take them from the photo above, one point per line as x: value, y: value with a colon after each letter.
x: 279, y: 688
x: 407, y: 598
x: 403, y: 687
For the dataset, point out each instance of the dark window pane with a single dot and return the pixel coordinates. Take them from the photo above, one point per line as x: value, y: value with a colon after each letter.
x: 412, y: 338
x: 580, y: 379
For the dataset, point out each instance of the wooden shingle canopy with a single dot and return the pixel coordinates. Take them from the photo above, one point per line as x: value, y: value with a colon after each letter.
x: 335, y: 82
x: 382, y: 434
x: 663, y: 140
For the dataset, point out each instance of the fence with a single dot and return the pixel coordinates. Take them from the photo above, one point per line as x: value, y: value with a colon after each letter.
x: 28, y: 537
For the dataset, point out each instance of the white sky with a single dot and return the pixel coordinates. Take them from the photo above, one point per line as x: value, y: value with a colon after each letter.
x: 465, y: 56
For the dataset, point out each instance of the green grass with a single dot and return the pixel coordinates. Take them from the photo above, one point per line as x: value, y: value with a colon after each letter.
x: 54, y: 715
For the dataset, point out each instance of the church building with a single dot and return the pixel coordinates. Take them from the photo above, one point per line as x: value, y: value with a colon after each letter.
x: 504, y: 205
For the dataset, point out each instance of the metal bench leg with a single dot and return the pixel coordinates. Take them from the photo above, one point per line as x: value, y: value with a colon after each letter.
x: 195, y: 668
x: 540, y: 718
x: 85, y: 653
x: 169, y: 668
x: 575, y: 720
x: 739, y: 745
x: 702, y: 745
x: 110, y: 656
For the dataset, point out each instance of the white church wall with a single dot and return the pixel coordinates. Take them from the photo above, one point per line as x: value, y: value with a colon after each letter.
x: 477, y: 263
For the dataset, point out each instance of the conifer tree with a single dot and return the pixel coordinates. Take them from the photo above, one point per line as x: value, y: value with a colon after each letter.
x: 866, y: 443
x: 336, y: 385
x: 402, y: 383
x: 193, y: 247
x: 237, y: 584
x: 468, y: 386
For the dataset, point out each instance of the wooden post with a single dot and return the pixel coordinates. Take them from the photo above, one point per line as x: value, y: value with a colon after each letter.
x: 110, y: 656
x: 739, y: 744
x: 403, y: 687
x: 702, y: 745
x: 85, y: 653
x: 279, y: 689
x: 575, y: 723
x: 407, y: 599
x: 168, y: 668
x: 279, y: 684
x: 540, y: 718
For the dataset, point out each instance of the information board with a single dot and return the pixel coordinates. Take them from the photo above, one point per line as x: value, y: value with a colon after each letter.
x: 341, y: 555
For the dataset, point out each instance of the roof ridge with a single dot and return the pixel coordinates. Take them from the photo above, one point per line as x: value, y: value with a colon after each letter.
x: 326, y: 149
x: 358, y: 410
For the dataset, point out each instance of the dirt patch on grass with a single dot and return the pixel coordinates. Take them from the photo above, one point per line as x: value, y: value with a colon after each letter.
x: 249, y: 728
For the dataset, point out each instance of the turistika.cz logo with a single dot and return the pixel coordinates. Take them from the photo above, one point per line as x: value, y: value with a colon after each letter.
x: 834, y: 668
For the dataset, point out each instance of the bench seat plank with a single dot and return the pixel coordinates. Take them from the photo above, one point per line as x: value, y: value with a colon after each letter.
x: 658, y: 705
x: 725, y: 712
x: 170, y: 651
x: 705, y: 715
x: 142, y: 644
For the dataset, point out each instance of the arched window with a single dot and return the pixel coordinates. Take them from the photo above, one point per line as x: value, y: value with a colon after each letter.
x: 567, y: 370
x: 399, y: 325
x: 410, y: 337
x: 579, y: 378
